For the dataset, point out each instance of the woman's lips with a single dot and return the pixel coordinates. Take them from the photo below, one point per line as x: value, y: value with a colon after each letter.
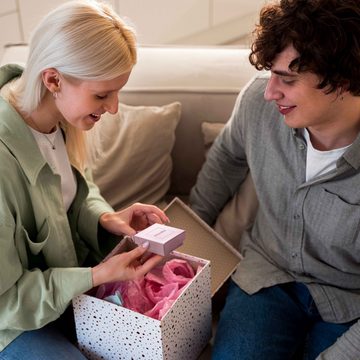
x: 95, y: 117
x: 284, y: 110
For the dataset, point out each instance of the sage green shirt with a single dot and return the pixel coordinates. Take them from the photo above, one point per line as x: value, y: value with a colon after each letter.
x: 41, y: 245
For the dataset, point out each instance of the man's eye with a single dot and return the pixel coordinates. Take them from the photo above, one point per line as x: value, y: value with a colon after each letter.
x: 288, y: 81
x: 101, y: 97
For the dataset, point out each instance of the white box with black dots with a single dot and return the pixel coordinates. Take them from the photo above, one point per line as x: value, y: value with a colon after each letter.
x: 108, y: 331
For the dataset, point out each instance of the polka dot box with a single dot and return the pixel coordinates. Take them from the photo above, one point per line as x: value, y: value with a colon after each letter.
x: 109, y: 331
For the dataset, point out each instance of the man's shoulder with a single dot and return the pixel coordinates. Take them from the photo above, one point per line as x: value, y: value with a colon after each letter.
x: 255, y: 88
x: 251, y: 99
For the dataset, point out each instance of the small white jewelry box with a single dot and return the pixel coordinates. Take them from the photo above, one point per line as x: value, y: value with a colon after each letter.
x: 162, y: 238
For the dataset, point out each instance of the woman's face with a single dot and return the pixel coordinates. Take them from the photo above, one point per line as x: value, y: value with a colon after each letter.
x: 81, y: 102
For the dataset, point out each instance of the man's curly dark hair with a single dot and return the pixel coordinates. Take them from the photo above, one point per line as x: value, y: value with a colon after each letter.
x: 325, y: 33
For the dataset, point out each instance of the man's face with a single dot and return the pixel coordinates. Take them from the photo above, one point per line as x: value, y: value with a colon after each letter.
x: 298, y: 98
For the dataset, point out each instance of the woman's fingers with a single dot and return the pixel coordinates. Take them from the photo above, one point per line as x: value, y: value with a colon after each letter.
x: 150, y: 210
x: 144, y: 262
x: 150, y: 263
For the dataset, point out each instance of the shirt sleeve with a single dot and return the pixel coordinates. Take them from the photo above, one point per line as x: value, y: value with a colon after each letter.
x: 346, y: 347
x: 29, y: 299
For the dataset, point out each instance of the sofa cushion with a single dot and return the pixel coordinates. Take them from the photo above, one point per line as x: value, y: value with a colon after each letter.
x: 210, y: 131
x: 130, y: 153
x: 206, y: 80
x: 238, y: 214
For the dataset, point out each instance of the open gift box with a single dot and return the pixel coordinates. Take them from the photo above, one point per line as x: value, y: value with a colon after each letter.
x: 108, y: 331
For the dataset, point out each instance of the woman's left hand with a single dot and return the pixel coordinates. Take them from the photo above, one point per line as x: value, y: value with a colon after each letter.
x: 132, y: 219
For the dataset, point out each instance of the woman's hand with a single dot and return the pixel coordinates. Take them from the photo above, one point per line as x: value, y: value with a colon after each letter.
x: 125, y: 266
x: 132, y: 219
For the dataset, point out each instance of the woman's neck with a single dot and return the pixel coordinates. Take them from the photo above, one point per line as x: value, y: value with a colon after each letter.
x: 45, y: 117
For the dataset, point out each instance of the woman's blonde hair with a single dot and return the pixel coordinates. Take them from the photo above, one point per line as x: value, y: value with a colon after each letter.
x: 82, y: 39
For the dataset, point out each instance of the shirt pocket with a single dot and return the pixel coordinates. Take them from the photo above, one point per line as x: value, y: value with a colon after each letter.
x: 37, y: 244
x: 335, y: 221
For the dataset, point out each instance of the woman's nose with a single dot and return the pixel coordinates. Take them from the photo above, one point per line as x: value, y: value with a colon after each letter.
x: 112, y: 104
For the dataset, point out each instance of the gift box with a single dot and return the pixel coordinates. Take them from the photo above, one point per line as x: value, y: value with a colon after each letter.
x: 108, y: 331
x: 162, y: 239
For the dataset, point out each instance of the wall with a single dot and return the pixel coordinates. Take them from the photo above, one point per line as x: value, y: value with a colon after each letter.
x: 10, y: 29
x: 205, y: 22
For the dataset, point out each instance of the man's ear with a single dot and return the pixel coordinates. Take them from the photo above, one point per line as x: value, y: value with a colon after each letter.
x: 344, y: 88
x: 51, y: 79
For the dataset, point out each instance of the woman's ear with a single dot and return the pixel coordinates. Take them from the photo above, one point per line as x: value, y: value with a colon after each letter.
x: 51, y: 79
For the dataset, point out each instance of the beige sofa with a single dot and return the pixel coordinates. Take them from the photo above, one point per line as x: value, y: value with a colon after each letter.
x: 150, y: 152
x: 206, y: 82
x: 177, y: 100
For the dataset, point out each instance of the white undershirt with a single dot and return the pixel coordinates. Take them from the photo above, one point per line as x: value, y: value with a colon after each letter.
x: 320, y: 162
x: 59, y: 161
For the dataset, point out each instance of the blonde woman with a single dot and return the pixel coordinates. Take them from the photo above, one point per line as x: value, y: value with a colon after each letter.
x: 51, y: 217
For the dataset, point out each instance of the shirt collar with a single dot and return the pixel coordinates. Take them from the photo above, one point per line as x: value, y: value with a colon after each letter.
x: 351, y: 155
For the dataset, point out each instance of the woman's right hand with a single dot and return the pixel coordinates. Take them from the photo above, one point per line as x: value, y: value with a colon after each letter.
x: 125, y: 266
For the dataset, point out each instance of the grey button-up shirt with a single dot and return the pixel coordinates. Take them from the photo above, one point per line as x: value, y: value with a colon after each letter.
x: 304, y: 231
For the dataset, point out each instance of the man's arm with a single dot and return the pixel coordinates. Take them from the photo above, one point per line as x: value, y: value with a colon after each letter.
x: 347, y: 347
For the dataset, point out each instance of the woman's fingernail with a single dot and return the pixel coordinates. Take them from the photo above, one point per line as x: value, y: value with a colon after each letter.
x: 145, y: 244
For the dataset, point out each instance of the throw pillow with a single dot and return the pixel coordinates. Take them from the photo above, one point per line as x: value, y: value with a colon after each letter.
x: 210, y: 131
x: 130, y: 153
x: 239, y: 213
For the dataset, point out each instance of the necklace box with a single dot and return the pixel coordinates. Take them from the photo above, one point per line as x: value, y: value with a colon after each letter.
x: 108, y: 331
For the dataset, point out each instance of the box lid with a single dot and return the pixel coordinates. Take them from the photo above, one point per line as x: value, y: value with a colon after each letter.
x: 203, y: 242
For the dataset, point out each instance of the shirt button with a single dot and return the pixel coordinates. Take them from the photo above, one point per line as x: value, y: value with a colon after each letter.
x: 296, y: 216
x: 293, y: 255
x: 301, y: 146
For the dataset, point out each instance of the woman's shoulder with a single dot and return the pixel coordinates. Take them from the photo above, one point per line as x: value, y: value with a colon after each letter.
x: 9, y: 165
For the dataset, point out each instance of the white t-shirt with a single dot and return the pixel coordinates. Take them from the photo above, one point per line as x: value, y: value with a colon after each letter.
x: 320, y: 162
x: 52, y: 147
